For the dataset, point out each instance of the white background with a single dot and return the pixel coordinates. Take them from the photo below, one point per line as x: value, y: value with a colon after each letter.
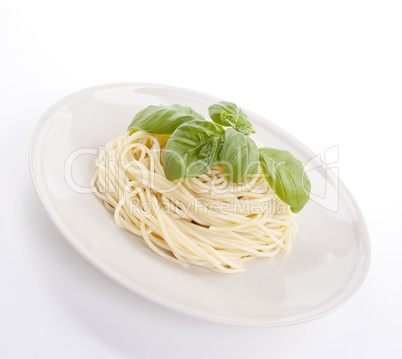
x: 328, y: 72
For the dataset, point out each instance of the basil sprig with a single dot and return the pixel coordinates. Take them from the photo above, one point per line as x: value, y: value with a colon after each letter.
x: 286, y: 176
x: 163, y: 120
x: 196, y: 145
x: 228, y: 114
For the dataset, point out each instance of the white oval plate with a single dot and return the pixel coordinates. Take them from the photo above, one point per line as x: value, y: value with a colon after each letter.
x: 330, y: 256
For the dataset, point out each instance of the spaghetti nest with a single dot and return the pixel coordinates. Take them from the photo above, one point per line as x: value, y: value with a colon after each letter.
x: 203, y: 220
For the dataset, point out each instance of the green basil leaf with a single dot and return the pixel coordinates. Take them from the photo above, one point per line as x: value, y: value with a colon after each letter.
x: 286, y: 176
x: 239, y: 156
x: 163, y: 120
x: 192, y: 149
x: 243, y: 124
x: 223, y: 114
x: 228, y: 114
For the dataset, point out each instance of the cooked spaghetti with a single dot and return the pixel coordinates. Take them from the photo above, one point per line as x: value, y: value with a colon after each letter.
x: 204, y: 220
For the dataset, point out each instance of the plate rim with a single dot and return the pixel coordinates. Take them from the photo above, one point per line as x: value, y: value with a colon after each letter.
x: 148, y: 294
